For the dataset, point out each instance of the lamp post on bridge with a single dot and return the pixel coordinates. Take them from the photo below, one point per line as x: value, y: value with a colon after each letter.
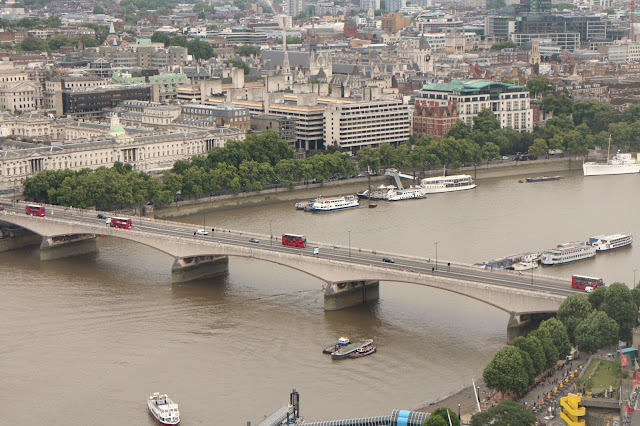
x: 634, y: 278
x: 436, y: 243
x: 270, y: 232
x: 349, y: 231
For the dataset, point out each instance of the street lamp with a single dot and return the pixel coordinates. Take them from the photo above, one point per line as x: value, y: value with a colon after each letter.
x: 436, y: 243
x: 634, y: 278
x: 458, y: 411
x: 271, y: 232
x: 349, y: 231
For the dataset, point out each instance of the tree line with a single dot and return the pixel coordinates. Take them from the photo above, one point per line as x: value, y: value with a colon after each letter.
x: 608, y: 314
x: 198, y: 48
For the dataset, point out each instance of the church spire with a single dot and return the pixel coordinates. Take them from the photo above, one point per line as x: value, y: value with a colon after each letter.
x: 286, y: 67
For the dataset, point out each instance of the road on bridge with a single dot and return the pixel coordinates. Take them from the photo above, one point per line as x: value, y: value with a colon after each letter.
x: 509, y: 279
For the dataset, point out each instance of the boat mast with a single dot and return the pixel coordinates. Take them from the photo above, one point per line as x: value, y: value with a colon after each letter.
x: 609, y: 148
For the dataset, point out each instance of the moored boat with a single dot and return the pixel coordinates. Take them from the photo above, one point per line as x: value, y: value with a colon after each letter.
x: 342, y: 341
x: 322, y: 204
x: 404, y: 194
x: 303, y: 205
x: 344, y: 351
x: 439, y: 184
x: 620, y: 164
x: 543, y: 178
x: 568, y: 252
x: 163, y: 409
x: 610, y: 242
x: 524, y: 266
x: 364, y: 351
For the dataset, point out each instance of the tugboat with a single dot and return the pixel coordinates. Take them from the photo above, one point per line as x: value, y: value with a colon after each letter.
x: 342, y: 341
x: 163, y: 409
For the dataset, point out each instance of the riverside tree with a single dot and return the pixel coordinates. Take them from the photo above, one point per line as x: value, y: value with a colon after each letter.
x: 572, y: 312
x: 621, y: 307
x: 533, y: 346
x: 506, y: 413
x: 507, y: 371
x: 597, y: 331
x: 559, y: 336
x: 549, y: 348
x: 441, y: 417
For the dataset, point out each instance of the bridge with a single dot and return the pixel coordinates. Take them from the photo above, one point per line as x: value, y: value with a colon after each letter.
x: 350, y: 276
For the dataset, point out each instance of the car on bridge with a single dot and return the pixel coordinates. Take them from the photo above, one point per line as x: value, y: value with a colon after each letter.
x: 201, y: 232
x: 388, y: 260
x: 101, y: 216
x: 254, y: 240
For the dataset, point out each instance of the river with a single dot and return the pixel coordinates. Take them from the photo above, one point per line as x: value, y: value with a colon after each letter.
x: 85, y: 340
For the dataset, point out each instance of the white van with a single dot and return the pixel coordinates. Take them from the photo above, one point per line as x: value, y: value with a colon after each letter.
x: 573, y: 355
x: 316, y: 251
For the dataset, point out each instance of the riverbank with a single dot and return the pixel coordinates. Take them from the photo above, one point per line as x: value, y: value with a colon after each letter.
x: 464, y: 398
x: 337, y: 187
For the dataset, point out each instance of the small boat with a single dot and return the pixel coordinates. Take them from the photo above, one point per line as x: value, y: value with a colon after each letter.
x: 344, y: 351
x: 364, y: 351
x: 543, y: 178
x: 524, y: 266
x: 163, y: 409
x: 373, y: 205
x: 303, y: 205
x: 342, y: 341
x: 404, y: 194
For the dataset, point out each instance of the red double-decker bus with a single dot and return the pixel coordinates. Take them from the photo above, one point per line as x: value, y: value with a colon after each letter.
x: 581, y: 282
x: 35, y: 210
x: 294, y: 240
x: 121, y: 222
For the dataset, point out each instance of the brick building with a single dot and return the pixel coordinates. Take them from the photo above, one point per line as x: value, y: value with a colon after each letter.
x: 432, y: 119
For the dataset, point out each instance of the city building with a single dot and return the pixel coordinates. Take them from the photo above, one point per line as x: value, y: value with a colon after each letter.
x: 223, y: 115
x: 432, y: 119
x: 509, y: 103
x: 95, y: 101
x: 395, y: 5
x: 354, y: 125
x: 284, y: 126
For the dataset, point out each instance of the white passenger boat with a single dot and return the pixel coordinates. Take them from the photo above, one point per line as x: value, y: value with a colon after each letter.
x: 322, y: 204
x: 163, y: 409
x: 620, y: 164
x: 610, y: 242
x: 569, y: 252
x: 404, y: 194
x: 438, y: 184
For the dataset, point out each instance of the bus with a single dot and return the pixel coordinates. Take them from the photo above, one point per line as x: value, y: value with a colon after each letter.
x: 581, y: 282
x: 294, y: 240
x: 35, y: 210
x: 120, y: 222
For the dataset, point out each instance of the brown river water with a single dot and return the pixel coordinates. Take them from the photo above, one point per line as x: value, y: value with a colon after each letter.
x: 85, y: 340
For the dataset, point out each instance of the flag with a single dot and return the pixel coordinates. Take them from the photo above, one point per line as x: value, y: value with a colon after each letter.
x: 629, y: 409
x: 635, y: 373
x: 623, y: 360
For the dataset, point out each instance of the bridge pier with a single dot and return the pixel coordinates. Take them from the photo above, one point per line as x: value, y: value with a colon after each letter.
x: 341, y: 295
x: 195, y: 267
x: 62, y: 246
x: 16, y: 238
x: 522, y: 324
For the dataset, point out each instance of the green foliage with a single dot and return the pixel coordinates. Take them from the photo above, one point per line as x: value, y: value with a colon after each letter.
x: 31, y: 44
x: 441, y: 416
x: 504, y: 44
x: 539, y: 147
x: 98, y: 10
x: 247, y: 50
x: 507, y: 371
x: 596, y: 331
x: 539, y: 84
x: 559, y: 335
x: 506, y: 413
x: 533, y: 346
x: 238, y: 63
x: 290, y: 40
x: 572, y: 312
x: 548, y: 346
x: 597, y: 297
x: 200, y: 49
x: 485, y: 121
x: 621, y: 307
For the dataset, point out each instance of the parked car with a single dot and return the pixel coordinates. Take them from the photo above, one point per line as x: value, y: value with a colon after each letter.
x: 388, y: 260
x: 101, y: 216
x: 201, y: 232
x: 525, y: 157
x: 254, y: 240
x: 504, y: 157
